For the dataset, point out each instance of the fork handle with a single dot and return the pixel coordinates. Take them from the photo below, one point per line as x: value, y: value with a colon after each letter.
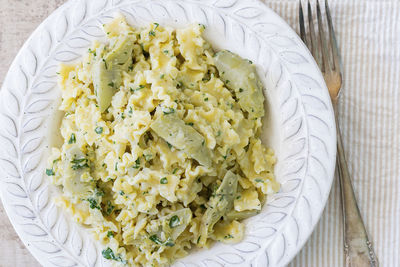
x: 357, y: 247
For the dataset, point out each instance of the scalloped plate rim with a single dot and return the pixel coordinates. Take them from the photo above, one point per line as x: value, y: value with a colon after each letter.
x: 14, y: 64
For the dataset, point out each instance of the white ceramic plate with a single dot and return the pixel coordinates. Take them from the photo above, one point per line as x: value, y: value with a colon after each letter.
x: 299, y: 126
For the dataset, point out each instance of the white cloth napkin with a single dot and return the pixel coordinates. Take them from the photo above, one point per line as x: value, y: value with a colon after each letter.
x: 368, y: 33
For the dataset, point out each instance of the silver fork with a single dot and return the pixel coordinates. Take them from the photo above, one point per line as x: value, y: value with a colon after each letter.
x: 357, y: 247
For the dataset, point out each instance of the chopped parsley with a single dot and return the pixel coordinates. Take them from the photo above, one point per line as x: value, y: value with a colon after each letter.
x: 137, y: 164
x: 93, y: 203
x: 164, y: 180
x: 152, y: 33
x: 169, y: 145
x: 50, y: 172
x: 259, y: 180
x: 116, y: 166
x: 105, y: 63
x: 241, y: 90
x: 168, y: 111
x: 98, y: 192
x: 79, y: 163
x: 92, y: 52
x: 121, y: 192
x: 137, y: 89
x: 174, y: 221
x: 155, y: 23
x: 174, y: 171
x: 110, y: 208
x: 206, y: 99
x: 72, y: 139
x: 162, y: 76
x: 167, y: 243
x: 227, y: 81
x: 99, y: 130
x: 110, y: 234
x: 228, y: 236
x: 190, y: 123
x: 165, y: 51
x: 155, y: 239
x: 111, y: 84
x: 109, y: 255
x: 219, y: 133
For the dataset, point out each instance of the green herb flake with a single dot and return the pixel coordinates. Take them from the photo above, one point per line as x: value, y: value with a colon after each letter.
x: 137, y: 89
x: 175, y: 170
x: 190, y: 123
x: 110, y: 208
x: 164, y: 180
x: 99, y: 130
x: 108, y: 254
x: 155, y: 23
x: 110, y: 234
x: 174, y: 221
x: 72, y: 139
x: 98, y: 192
x: 152, y: 33
x: 165, y: 51
x: 50, y: 172
x: 116, y: 166
x: 105, y: 63
x: 206, y: 99
x: 228, y: 236
x: 79, y: 163
x: 93, y: 203
x: 137, y: 164
x: 156, y: 239
x: 121, y: 192
x: 168, y: 111
x: 219, y: 133
x: 111, y: 84
x: 169, y: 145
x: 169, y: 243
x: 241, y: 90
x: 162, y: 76
x: 259, y: 180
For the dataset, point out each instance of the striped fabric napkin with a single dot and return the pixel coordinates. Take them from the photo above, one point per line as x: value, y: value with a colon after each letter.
x: 368, y: 33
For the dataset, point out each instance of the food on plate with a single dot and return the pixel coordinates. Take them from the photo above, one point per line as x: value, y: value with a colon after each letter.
x: 161, y: 144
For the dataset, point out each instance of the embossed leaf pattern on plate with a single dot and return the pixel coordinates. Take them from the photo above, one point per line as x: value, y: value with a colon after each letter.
x: 302, y: 127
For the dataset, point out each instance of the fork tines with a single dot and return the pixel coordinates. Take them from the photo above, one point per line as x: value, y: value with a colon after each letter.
x: 328, y: 58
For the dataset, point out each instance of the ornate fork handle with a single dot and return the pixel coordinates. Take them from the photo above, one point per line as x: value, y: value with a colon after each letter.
x: 358, y: 249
